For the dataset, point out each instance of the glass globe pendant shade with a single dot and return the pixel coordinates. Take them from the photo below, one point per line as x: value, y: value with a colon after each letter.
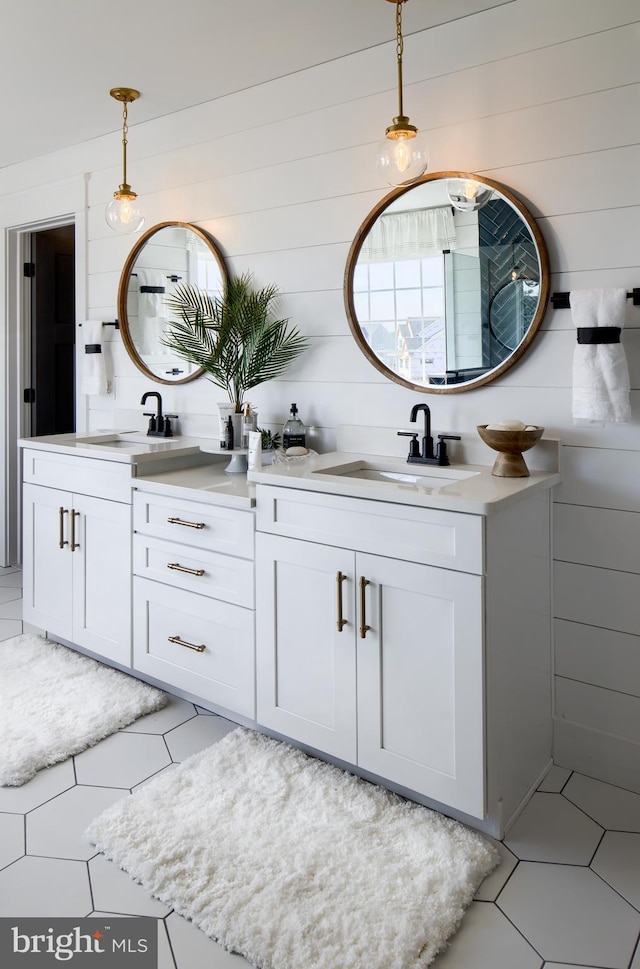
x: 402, y: 157
x: 123, y: 214
x: 467, y: 195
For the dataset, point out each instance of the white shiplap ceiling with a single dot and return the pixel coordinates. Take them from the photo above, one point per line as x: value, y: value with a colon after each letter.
x: 59, y: 58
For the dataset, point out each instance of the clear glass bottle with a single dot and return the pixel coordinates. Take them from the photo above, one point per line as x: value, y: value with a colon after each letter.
x: 249, y: 423
x: 294, y: 431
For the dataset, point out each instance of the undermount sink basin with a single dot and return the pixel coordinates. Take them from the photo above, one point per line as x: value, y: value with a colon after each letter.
x: 129, y: 439
x: 122, y: 442
x: 417, y: 475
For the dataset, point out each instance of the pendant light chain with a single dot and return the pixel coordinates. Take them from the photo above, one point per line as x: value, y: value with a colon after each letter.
x: 399, y: 53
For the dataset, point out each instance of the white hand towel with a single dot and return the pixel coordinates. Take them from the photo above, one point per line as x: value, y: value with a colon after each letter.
x: 94, y: 375
x: 600, y: 372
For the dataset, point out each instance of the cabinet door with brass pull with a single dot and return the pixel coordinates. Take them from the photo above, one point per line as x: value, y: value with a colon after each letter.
x: 84, y: 597
x: 48, y: 567
x: 420, y: 679
x: 305, y: 642
x: 101, y: 545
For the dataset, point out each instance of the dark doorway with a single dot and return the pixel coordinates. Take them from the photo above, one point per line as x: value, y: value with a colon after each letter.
x: 52, y: 394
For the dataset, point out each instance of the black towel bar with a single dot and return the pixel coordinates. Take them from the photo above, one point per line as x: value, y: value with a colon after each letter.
x: 560, y: 301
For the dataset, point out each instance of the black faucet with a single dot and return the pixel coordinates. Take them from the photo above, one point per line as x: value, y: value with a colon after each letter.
x: 159, y: 423
x: 426, y: 451
x: 425, y: 454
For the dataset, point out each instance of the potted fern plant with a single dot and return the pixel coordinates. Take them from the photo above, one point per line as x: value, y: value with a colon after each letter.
x: 235, y: 338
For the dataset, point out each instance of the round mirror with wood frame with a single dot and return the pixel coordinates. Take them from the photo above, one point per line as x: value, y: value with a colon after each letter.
x: 165, y: 256
x: 446, y: 282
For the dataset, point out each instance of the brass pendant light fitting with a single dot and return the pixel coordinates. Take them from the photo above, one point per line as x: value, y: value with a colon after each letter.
x: 123, y: 213
x: 401, y: 126
x: 402, y: 156
x: 126, y: 95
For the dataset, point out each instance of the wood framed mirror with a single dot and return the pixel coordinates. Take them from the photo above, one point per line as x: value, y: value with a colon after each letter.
x: 166, y: 255
x: 446, y: 282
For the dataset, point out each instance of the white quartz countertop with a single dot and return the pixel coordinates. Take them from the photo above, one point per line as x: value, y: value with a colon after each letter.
x: 196, y: 469
x: 469, y: 488
x: 209, y: 483
x: 125, y: 447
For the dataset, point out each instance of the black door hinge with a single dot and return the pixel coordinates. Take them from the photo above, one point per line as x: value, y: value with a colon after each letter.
x: 29, y: 395
x: 29, y: 270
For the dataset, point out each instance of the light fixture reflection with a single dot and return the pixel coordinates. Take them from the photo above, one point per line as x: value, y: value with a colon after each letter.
x: 467, y: 194
x: 402, y: 156
x: 123, y: 212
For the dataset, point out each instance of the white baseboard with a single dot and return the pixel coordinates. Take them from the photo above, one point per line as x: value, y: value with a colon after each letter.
x: 603, y: 756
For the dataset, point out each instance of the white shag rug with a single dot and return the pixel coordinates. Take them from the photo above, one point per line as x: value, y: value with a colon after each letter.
x: 294, y: 863
x: 55, y: 702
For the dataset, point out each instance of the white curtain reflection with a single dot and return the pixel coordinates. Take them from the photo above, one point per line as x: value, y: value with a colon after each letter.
x: 406, y: 235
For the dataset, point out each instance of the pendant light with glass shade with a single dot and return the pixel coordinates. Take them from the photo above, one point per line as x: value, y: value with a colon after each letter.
x: 123, y: 211
x: 402, y: 156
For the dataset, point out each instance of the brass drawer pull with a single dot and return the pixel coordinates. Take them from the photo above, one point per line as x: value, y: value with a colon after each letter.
x: 183, y: 568
x: 63, y: 541
x: 340, y: 578
x: 363, y: 619
x: 183, y: 642
x: 179, y: 521
x: 74, y: 544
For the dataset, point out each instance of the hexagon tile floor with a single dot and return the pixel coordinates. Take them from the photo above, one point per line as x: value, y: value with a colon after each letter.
x: 566, y: 896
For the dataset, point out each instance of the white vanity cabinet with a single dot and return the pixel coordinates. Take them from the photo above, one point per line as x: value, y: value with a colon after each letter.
x: 193, y: 595
x: 375, y: 661
x: 389, y: 637
x: 77, y: 551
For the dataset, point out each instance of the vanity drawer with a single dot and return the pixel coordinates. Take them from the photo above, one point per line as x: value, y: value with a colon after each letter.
x: 196, y: 570
x: 194, y: 523
x: 221, y: 669
x: 83, y: 476
x: 446, y: 539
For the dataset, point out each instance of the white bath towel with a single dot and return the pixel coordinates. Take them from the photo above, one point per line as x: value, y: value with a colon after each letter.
x: 94, y: 375
x: 600, y: 372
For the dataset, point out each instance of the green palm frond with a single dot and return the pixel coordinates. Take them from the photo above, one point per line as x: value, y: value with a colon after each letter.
x: 191, y: 303
x: 235, y: 337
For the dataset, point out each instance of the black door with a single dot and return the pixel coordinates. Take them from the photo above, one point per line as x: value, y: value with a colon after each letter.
x: 53, y: 331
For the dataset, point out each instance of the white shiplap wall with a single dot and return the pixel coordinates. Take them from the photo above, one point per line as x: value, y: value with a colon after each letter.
x: 543, y: 95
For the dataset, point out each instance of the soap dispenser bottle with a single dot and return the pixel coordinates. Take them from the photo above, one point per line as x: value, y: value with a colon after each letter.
x: 294, y: 431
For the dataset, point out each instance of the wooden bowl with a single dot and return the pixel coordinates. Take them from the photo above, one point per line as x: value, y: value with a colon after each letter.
x: 510, y: 445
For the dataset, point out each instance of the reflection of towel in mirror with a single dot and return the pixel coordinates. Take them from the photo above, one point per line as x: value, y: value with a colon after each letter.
x: 152, y: 312
x: 151, y: 295
x: 600, y: 372
x: 94, y: 376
